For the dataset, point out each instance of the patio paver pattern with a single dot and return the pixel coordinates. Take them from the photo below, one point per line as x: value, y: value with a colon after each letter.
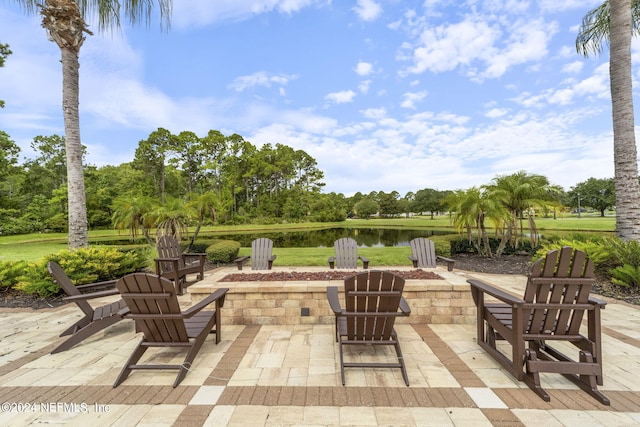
x: 275, y: 375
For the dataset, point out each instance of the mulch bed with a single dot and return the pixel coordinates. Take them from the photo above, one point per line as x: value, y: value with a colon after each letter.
x: 319, y: 275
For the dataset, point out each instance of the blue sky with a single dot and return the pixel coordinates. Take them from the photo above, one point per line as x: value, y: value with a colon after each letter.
x: 384, y: 94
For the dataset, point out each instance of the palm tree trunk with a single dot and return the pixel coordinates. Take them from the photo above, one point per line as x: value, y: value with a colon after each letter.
x: 624, y: 143
x: 78, y: 231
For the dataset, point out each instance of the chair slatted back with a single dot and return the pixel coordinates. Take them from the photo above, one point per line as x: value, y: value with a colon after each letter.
x: 169, y: 247
x: 425, y: 251
x: 557, y: 293
x: 346, y: 250
x: 154, y: 306
x: 371, y: 305
x: 261, y: 250
x: 68, y: 287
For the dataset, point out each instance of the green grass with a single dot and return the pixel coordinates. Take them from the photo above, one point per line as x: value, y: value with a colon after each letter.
x: 33, y: 247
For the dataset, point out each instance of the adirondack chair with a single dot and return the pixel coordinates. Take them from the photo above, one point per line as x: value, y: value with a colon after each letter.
x: 95, y: 319
x: 423, y: 254
x: 555, y: 300
x: 347, y: 255
x: 173, y: 264
x: 261, y: 256
x: 373, y: 301
x: 154, y: 306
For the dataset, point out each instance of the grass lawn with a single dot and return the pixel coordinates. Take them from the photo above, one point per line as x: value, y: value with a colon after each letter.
x: 33, y: 247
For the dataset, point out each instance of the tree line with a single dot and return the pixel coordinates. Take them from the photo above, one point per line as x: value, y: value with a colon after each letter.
x: 187, y: 179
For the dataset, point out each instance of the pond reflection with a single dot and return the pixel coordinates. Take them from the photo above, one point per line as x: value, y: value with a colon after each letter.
x: 365, y: 237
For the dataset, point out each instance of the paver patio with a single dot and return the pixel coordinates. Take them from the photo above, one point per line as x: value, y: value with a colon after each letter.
x: 277, y: 374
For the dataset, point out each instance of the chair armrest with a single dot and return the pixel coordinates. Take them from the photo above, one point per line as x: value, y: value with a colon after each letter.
x: 334, y: 300
x: 217, y: 296
x: 158, y: 262
x: 241, y: 260
x: 270, y: 261
x: 365, y: 262
x: 332, y: 262
x: 449, y: 262
x: 404, y: 306
x: 414, y: 260
x: 110, y: 283
x: 194, y: 254
x: 597, y: 301
x: 93, y: 295
x: 485, y: 288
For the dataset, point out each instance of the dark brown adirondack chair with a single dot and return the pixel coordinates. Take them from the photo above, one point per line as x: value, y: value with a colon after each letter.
x: 95, y: 319
x: 423, y: 254
x: 261, y: 255
x: 175, y: 265
x: 373, y: 301
x: 347, y: 255
x: 555, y: 300
x: 155, y: 308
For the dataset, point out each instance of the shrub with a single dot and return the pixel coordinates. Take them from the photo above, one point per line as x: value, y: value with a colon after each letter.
x: 463, y: 245
x: 10, y: 273
x: 626, y: 253
x: 37, y: 281
x: 83, y: 266
x: 598, y: 250
x: 223, y: 251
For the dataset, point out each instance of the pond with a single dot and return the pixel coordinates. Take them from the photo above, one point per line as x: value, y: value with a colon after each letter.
x: 365, y: 237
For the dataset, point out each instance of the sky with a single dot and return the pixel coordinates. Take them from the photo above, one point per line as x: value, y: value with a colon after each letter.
x: 386, y: 95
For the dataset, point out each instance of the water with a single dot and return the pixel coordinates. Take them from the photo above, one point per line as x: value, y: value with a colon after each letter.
x: 365, y: 237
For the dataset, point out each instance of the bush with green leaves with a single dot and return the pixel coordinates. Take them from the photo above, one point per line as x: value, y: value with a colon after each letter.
x: 37, y: 281
x: 223, y: 251
x: 597, y: 249
x: 626, y: 253
x: 11, y: 272
x: 83, y: 266
x: 463, y: 245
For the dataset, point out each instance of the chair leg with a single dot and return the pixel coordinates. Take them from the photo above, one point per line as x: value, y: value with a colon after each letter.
x: 532, y: 379
x: 589, y: 383
x: 341, y: 361
x: 401, y: 361
x: 133, y: 359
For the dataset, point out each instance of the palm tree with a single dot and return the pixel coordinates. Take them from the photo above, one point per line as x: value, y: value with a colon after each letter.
x: 518, y: 193
x: 205, y: 206
x: 134, y: 213
x: 472, y: 209
x: 617, y: 21
x: 172, y: 218
x: 64, y: 21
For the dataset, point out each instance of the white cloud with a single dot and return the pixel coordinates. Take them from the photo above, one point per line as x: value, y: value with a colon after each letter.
x: 260, y: 78
x: 573, y: 67
x: 364, y: 68
x: 410, y: 99
x: 187, y: 14
x: 445, y: 47
x: 368, y: 10
x: 560, y: 6
x: 341, y: 97
x: 495, y: 113
x: 374, y: 113
x: 364, y: 86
